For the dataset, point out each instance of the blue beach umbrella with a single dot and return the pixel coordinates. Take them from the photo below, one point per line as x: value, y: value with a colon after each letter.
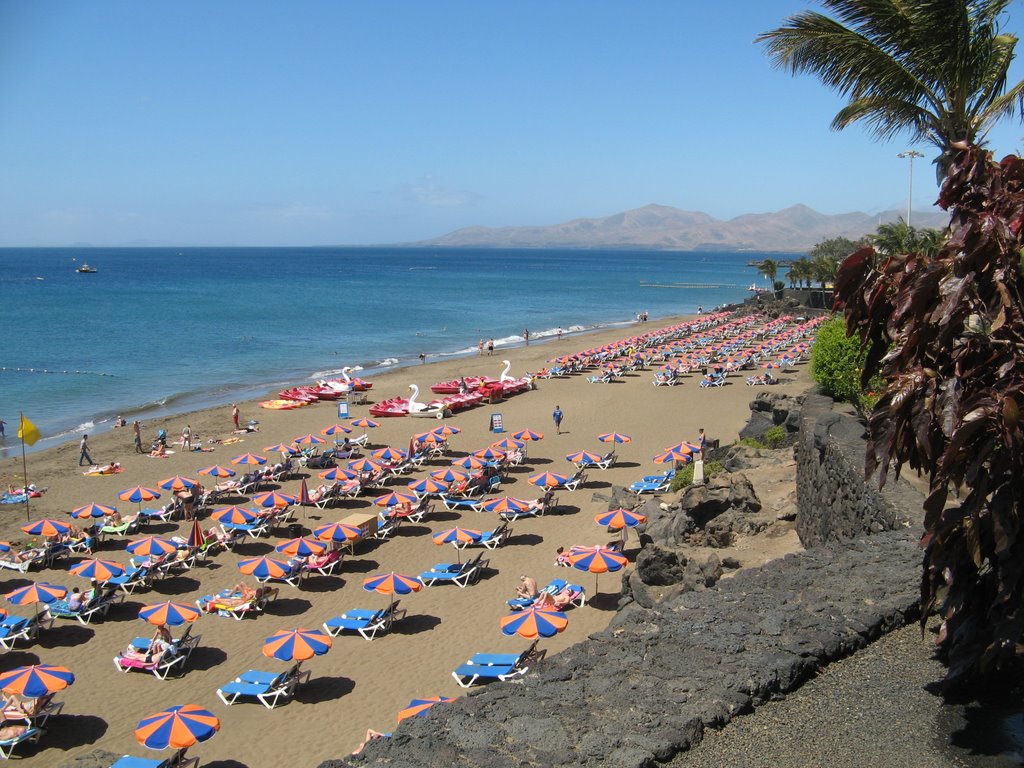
x: 297, y: 644
x: 93, y: 510
x: 36, y: 680
x: 177, y: 727
x: 169, y: 614
x: 534, y: 622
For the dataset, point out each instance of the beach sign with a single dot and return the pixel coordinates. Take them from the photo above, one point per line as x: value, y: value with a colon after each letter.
x: 496, y: 423
x: 343, y: 407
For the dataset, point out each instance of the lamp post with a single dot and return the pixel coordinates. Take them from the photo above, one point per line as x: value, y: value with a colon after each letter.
x: 910, y: 154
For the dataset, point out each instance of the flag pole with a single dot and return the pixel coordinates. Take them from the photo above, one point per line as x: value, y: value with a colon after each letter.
x: 24, y: 463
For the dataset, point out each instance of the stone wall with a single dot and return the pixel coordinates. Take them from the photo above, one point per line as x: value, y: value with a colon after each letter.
x: 833, y: 500
x: 647, y: 687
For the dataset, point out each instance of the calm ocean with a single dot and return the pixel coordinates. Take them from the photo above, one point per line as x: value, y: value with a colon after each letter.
x: 166, y: 330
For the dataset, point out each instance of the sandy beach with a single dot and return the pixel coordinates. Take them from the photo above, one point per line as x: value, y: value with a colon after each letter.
x: 358, y: 684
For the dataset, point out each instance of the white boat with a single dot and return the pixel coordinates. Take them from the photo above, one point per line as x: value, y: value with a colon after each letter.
x: 85, y: 268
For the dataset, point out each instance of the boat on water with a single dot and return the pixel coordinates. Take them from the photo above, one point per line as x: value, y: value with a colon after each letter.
x: 85, y: 268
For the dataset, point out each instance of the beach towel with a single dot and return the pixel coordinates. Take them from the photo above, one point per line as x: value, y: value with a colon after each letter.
x: 18, y: 498
x: 164, y: 456
x: 98, y: 472
x: 231, y: 440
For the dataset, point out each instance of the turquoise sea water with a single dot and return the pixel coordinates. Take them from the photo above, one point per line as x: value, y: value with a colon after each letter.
x: 167, y: 330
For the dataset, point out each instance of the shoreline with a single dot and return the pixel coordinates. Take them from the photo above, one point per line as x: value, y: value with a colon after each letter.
x: 200, y: 402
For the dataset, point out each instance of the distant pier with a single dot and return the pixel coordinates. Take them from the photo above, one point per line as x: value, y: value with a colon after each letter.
x: 645, y: 284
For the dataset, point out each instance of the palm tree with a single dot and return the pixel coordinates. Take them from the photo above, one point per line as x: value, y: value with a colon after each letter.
x: 936, y: 69
x: 899, y: 238
x: 769, y: 268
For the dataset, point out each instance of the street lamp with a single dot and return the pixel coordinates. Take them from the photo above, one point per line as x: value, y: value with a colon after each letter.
x: 910, y: 154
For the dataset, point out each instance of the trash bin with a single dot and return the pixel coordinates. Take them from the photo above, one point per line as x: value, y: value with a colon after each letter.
x: 294, y: 530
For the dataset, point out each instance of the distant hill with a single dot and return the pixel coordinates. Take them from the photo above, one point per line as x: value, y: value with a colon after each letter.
x: 662, y: 227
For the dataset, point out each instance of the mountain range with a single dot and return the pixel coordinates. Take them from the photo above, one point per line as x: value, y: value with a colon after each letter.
x: 663, y: 227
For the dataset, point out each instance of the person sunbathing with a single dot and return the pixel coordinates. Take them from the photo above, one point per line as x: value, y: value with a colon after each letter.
x: 559, y: 601
x: 562, y: 557
x: 159, y: 451
x: 527, y: 587
x: 18, y: 709
x: 240, y: 595
x: 371, y: 735
x: 9, y: 732
x: 21, y: 556
x: 161, y: 642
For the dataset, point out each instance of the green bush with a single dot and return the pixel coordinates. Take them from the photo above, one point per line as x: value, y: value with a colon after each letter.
x: 684, y: 476
x: 775, y: 437
x: 836, y: 364
x: 751, y: 442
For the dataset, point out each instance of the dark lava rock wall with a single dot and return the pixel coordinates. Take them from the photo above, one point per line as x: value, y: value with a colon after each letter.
x: 645, y: 689
x: 834, y: 502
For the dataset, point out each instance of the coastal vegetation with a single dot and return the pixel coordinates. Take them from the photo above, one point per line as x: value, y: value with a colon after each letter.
x: 945, y: 330
x: 837, y: 364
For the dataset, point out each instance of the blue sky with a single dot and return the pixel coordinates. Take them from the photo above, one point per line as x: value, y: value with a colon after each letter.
x: 309, y: 122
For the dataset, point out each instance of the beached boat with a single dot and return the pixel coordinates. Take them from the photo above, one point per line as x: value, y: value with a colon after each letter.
x: 510, y: 385
x: 401, y: 406
x: 454, y: 386
x: 85, y: 268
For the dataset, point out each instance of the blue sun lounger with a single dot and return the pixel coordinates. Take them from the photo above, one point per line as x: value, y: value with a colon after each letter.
x: 553, y: 588
x: 488, y: 667
x: 174, y: 761
x: 366, y: 623
x: 31, y: 734
x: 461, y: 575
x: 266, y: 687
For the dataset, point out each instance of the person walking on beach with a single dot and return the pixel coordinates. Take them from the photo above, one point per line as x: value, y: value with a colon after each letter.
x: 701, y: 441
x: 84, y: 457
x: 186, y: 438
x: 490, y: 347
x: 137, y: 430
x: 480, y: 348
x: 234, y: 415
x: 526, y: 336
x: 557, y: 417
